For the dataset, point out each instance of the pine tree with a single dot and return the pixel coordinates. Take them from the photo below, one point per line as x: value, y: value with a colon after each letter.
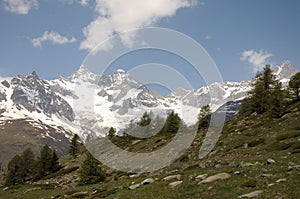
x: 55, y: 166
x: 172, y: 123
x: 277, y: 101
x: 74, y: 146
x: 145, y: 120
x: 294, y: 86
x: 16, y: 171
x: 258, y: 99
x: 29, y: 163
x: 204, y: 117
x: 45, y: 162
x: 90, y: 172
x: 111, y: 132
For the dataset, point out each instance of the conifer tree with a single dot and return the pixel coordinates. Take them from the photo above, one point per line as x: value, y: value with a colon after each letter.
x: 16, y: 172
x: 29, y: 163
x: 145, y: 120
x: 172, y: 123
x: 44, y: 162
x: 55, y: 166
x: 294, y: 86
x: 204, y: 117
x: 74, y: 146
x: 111, y: 132
x: 90, y: 172
x: 277, y: 101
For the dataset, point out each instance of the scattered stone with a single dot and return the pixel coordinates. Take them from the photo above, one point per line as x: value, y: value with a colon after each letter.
x: 201, y: 177
x: 266, y: 175
x: 136, y: 141
x: 281, y: 180
x: 294, y: 168
x: 135, y: 175
x: 248, y: 164
x: 271, y: 161
x: 33, y: 189
x: 148, y: 181
x: 232, y: 164
x: 210, y: 188
x: 80, y: 194
x: 263, y: 170
x: 252, y: 194
x: 135, y: 186
x: 178, y: 177
x: 270, y: 185
x: 6, y: 188
x: 220, y: 176
x: 175, y: 184
x: 237, y: 173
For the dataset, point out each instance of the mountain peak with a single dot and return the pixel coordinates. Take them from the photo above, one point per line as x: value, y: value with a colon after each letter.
x: 285, y: 70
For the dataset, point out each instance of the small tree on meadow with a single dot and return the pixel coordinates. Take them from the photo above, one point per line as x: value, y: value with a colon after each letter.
x: 74, y: 146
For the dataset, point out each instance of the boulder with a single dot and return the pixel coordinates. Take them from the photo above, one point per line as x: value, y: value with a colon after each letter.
x: 147, y: 181
x: 178, y: 177
x: 252, y: 194
x: 271, y: 161
x: 220, y: 176
x: 201, y: 177
x: 135, y: 186
x: 175, y: 184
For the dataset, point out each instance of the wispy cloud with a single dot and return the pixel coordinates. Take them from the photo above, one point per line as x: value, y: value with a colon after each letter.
x: 115, y: 16
x: 258, y: 59
x: 20, y: 6
x: 53, y: 37
x: 81, y: 2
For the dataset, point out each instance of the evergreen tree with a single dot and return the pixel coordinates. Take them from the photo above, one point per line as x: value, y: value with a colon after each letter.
x: 145, y: 120
x: 29, y: 163
x: 45, y: 162
x: 111, y: 132
x: 74, y: 146
x: 90, y: 172
x: 204, y: 117
x: 55, y: 166
x: 294, y: 86
x: 258, y: 99
x: 16, y: 171
x: 172, y: 123
x: 277, y: 101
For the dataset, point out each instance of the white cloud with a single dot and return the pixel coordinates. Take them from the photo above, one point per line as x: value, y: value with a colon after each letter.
x: 115, y: 16
x: 53, y: 37
x: 81, y: 2
x: 258, y: 59
x: 20, y: 6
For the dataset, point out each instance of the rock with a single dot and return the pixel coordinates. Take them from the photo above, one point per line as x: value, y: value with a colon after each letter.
x: 80, y: 194
x: 237, y: 173
x: 135, y: 175
x: 281, y: 180
x: 252, y: 194
x: 147, y: 181
x: 232, y: 164
x: 271, y: 161
x: 266, y: 175
x: 178, y: 177
x: 135, y: 142
x: 201, y: 177
x: 6, y: 188
x: 135, y: 186
x: 175, y: 184
x: 270, y: 185
x: 263, y: 171
x: 220, y: 176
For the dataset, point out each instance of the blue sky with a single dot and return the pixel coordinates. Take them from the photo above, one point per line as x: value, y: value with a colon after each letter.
x: 53, y: 37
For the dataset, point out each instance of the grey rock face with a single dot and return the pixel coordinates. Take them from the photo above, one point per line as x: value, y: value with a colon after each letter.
x: 36, y: 95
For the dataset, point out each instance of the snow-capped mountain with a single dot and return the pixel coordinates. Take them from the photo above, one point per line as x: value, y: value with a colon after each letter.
x: 89, y: 104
